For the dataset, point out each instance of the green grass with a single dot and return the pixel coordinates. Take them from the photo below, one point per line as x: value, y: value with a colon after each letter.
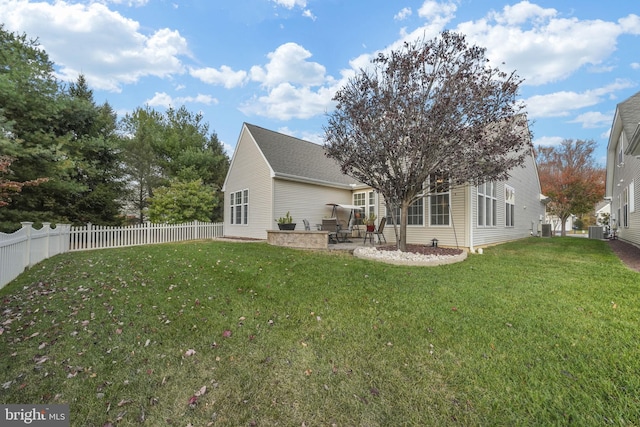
x: 535, y: 332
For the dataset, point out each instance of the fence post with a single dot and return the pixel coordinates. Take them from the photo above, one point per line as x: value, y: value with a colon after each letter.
x: 89, y: 236
x: 46, y: 226
x: 28, y: 226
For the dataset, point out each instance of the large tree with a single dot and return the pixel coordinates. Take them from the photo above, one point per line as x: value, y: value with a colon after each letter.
x: 182, y: 201
x: 173, y: 146
x: 430, y: 109
x: 570, y: 178
x: 54, y: 132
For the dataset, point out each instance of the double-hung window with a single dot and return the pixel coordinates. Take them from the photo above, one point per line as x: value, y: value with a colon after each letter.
x: 487, y: 202
x: 239, y: 207
x: 439, y: 202
x: 509, y: 206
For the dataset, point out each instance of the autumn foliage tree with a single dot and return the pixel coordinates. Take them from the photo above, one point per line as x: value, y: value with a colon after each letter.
x: 9, y: 188
x: 570, y: 178
x: 430, y: 108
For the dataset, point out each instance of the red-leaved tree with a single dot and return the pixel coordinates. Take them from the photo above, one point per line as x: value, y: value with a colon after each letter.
x: 570, y: 178
x: 8, y: 187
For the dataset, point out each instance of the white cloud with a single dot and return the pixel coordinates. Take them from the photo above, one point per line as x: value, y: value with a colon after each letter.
x: 109, y: 49
x: 436, y: 10
x: 286, y: 102
x: 162, y: 99
x: 630, y: 24
x: 403, y: 14
x: 290, y: 4
x: 308, y: 14
x: 225, y: 76
x: 635, y: 65
x: 560, y: 104
x: 288, y: 64
x: 541, y: 46
x: 547, y: 141
x: 135, y: 3
x: 593, y: 119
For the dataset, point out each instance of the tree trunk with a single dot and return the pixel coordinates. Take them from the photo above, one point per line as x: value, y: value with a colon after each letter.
x: 563, y: 226
x: 404, y: 208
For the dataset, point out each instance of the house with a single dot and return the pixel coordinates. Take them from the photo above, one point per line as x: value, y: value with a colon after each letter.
x: 623, y: 170
x: 272, y: 174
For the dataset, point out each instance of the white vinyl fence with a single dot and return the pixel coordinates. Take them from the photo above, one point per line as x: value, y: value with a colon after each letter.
x: 28, y: 246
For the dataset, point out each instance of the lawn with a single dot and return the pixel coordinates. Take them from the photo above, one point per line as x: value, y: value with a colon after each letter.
x: 534, y: 332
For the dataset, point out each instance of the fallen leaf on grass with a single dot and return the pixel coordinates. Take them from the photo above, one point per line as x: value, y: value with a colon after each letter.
x: 193, y: 401
x: 190, y: 352
x: 227, y: 334
x: 124, y: 402
x: 202, y: 391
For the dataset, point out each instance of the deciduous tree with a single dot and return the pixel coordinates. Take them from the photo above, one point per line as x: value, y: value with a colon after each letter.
x: 571, y: 179
x: 430, y: 108
x: 182, y: 201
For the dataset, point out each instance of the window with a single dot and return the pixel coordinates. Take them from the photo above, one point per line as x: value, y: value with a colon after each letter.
x: 367, y: 201
x: 416, y: 213
x: 438, y: 200
x: 620, y: 152
x: 415, y: 216
x: 487, y: 203
x: 625, y: 207
x: 509, y: 205
x: 632, y: 196
x: 239, y: 207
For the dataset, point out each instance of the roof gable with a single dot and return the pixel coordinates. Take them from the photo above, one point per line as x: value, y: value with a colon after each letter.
x: 297, y: 159
x: 629, y: 111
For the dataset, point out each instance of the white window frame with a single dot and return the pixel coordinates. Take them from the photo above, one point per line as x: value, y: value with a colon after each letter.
x: 487, y: 205
x: 239, y: 205
x: 436, y: 196
x: 366, y: 199
x: 509, y: 206
x: 632, y: 196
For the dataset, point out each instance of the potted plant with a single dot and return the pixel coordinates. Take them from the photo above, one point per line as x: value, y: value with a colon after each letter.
x: 370, y: 221
x: 286, y: 222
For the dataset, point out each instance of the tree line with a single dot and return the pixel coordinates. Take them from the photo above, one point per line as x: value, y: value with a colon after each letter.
x: 64, y: 158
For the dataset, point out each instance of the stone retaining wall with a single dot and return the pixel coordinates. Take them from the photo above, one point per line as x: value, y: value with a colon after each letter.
x: 298, y: 239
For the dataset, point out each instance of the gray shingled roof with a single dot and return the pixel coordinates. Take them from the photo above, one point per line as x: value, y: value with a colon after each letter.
x: 296, y: 158
x: 630, y: 114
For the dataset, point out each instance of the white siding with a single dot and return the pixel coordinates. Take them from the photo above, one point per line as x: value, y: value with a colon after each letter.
x: 307, y: 201
x: 452, y: 235
x: 528, y: 208
x: 622, y: 177
x: 250, y: 171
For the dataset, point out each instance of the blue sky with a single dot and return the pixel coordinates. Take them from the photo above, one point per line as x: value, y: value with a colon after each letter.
x: 277, y: 63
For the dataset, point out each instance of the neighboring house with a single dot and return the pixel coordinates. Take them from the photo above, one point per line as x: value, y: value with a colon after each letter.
x: 556, y: 223
x: 603, y: 213
x: 272, y: 174
x: 623, y: 170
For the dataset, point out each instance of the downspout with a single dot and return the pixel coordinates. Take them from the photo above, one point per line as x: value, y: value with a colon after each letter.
x: 470, y: 212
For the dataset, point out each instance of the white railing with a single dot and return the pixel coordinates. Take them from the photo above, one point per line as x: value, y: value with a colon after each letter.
x: 28, y: 246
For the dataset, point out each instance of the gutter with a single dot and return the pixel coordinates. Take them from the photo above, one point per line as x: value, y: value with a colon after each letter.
x: 307, y: 180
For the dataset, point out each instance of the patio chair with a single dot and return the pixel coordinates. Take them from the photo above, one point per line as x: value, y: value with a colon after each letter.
x: 331, y: 226
x: 307, y: 227
x: 379, y: 232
